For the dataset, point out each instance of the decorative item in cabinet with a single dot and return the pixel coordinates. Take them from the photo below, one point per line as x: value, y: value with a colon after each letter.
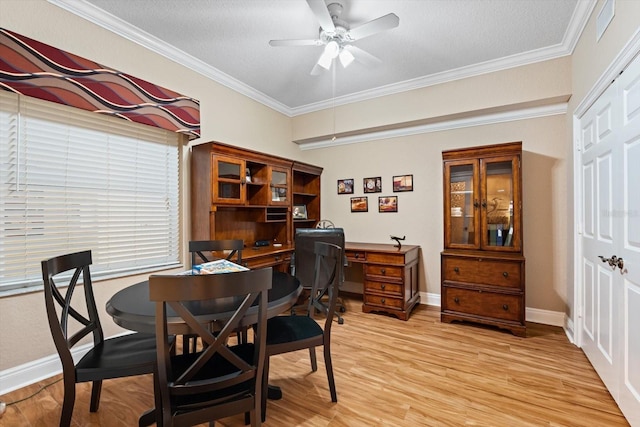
x: 483, y: 277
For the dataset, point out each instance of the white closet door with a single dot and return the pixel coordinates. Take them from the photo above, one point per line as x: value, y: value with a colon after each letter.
x: 610, y: 208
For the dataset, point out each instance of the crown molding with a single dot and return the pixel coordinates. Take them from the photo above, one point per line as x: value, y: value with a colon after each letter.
x: 445, y: 125
x: 105, y: 20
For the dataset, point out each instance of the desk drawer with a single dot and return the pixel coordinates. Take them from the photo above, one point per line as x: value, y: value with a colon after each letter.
x: 383, y: 271
x: 355, y: 256
x: 392, y: 289
x: 267, y: 261
x: 482, y: 303
x: 386, y: 258
x: 384, y: 301
x: 482, y: 271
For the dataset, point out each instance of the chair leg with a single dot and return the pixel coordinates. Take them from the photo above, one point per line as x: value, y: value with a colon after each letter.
x: 329, y: 365
x: 265, y: 388
x: 96, y: 388
x: 314, y: 360
x: 68, y: 402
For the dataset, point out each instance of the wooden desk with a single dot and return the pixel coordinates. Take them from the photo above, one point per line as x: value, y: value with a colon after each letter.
x: 390, y: 276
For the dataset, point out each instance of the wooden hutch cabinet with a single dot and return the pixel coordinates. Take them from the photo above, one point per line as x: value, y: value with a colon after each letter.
x: 243, y: 194
x: 482, y: 264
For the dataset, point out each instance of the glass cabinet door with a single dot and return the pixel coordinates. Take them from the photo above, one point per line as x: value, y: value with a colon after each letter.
x: 461, y: 204
x: 228, y: 180
x: 280, y: 191
x: 499, y: 196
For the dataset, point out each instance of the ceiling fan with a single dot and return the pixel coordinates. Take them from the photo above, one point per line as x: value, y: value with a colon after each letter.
x: 337, y: 36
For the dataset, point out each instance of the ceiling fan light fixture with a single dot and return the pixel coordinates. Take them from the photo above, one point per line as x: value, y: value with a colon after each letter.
x: 346, y: 57
x: 325, y: 61
x: 332, y: 49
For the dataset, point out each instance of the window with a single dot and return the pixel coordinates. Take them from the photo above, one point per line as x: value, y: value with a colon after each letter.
x: 72, y: 180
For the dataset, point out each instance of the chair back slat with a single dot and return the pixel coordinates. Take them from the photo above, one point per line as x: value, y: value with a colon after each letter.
x: 197, y: 248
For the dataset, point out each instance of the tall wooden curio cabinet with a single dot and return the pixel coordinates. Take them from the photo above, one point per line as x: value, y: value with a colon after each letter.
x: 482, y: 263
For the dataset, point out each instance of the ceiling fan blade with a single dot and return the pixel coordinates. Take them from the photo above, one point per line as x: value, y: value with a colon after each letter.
x: 319, y: 8
x: 383, y: 23
x: 295, y: 42
x: 362, y: 56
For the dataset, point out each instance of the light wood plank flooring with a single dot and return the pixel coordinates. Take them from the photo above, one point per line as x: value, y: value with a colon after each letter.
x: 390, y: 373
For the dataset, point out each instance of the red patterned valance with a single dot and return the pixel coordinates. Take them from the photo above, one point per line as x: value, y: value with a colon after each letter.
x: 35, y: 69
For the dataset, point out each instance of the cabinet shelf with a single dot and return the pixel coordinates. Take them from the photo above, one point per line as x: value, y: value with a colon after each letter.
x: 305, y: 194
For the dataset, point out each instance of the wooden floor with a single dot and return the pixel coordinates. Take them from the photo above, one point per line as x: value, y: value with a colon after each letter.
x: 390, y: 373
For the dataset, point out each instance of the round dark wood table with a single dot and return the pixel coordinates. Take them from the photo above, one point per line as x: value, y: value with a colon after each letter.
x: 132, y: 309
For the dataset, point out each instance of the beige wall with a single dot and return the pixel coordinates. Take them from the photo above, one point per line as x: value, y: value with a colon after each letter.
x: 235, y: 119
x: 226, y: 116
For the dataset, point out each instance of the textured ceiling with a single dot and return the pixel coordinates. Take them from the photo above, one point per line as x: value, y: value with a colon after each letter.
x: 436, y: 40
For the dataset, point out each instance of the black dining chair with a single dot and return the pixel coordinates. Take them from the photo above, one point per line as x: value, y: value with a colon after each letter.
x: 123, y: 356
x: 295, y: 332
x: 215, y: 248
x: 304, y: 257
x: 203, y: 251
x: 220, y: 380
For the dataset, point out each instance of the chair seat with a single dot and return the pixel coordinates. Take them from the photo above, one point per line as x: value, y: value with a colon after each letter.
x: 286, y: 329
x: 122, y: 356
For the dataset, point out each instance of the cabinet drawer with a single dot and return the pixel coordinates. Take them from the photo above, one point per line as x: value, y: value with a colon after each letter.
x: 356, y: 256
x: 392, y: 289
x: 482, y: 303
x: 384, y: 301
x: 383, y: 270
x: 482, y: 271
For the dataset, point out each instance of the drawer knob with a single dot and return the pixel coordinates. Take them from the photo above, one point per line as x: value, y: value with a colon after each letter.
x: 505, y: 307
x: 383, y: 271
x: 382, y: 301
x: 456, y: 269
x: 505, y: 274
x: 456, y: 300
x: 357, y: 256
x: 382, y: 286
x: 277, y: 258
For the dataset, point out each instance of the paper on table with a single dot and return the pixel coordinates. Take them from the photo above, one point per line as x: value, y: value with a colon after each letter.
x: 216, y: 267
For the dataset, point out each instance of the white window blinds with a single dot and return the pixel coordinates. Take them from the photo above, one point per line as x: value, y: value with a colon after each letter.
x: 72, y: 180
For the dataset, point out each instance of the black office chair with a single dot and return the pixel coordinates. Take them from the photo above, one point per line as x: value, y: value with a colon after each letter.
x: 218, y: 381
x: 203, y: 251
x: 303, y: 259
x: 295, y: 332
x: 122, y: 356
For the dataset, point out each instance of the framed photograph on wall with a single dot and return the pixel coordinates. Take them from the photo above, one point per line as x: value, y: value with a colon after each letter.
x: 345, y: 186
x: 372, y: 185
x: 388, y: 204
x: 359, y: 204
x: 402, y: 183
x: 300, y: 212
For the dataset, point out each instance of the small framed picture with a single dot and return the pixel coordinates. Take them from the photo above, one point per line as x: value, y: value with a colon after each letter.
x: 402, y: 183
x: 299, y: 212
x: 372, y: 185
x: 359, y: 204
x: 388, y: 204
x: 345, y: 186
